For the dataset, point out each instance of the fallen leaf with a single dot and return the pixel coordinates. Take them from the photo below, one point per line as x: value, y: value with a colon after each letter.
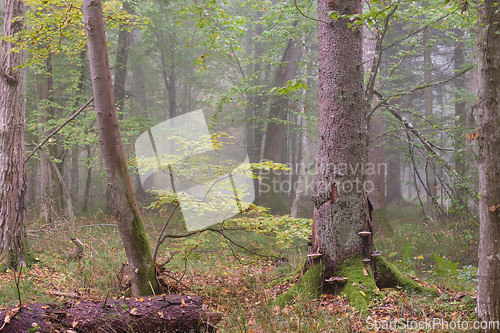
x: 73, y: 324
x: 183, y: 303
x: 133, y: 312
x: 362, y: 293
x: 365, y: 273
x: 160, y: 314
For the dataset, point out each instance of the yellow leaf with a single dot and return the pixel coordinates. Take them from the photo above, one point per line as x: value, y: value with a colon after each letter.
x: 183, y: 303
x: 362, y: 293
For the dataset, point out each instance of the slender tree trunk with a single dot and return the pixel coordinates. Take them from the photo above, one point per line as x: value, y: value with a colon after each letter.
x: 13, y: 247
x: 88, y: 182
x: 394, y: 193
x: 376, y: 166
x: 460, y: 194
x: 488, y: 297
x: 123, y: 48
x: 134, y: 238
x: 254, y: 133
x: 430, y: 168
x: 275, y: 144
x: 43, y: 95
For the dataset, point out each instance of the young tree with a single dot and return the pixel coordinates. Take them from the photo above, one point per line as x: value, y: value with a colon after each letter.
x: 488, y: 297
x: 135, y: 242
x: 12, y: 130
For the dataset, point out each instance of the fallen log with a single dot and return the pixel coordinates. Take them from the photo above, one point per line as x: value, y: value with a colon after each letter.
x: 170, y: 313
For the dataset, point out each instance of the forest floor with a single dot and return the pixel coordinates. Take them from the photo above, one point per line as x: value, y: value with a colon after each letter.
x: 242, y: 286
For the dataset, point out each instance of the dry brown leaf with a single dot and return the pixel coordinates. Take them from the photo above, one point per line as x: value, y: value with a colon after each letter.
x: 183, y: 303
x: 365, y: 273
x: 133, y: 312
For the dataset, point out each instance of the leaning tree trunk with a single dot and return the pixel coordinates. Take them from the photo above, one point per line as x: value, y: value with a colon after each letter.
x: 488, y: 297
x: 134, y: 238
x: 12, y: 130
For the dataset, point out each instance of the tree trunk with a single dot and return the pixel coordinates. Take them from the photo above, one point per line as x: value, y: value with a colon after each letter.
x: 339, y: 193
x: 134, y: 238
x: 488, y: 297
x: 430, y: 168
x: 274, y: 146
x: 43, y: 96
x: 12, y: 131
x: 123, y: 48
x: 376, y: 167
x: 376, y: 177
x: 460, y: 194
x: 88, y: 182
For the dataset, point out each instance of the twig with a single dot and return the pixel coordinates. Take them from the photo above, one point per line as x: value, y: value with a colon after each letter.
x: 308, y: 17
x: 161, y: 239
x: 59, y: 128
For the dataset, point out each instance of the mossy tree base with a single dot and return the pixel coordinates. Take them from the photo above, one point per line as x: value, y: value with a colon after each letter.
x: 361, y: 286
x: 390, y: 277
x: 308, y: 286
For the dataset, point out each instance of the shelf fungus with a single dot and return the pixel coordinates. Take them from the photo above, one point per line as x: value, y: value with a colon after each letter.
x: 336, y: 279
x: 364, y: 233
x: 314, y: 255
x: 376, y: 253
x: 366, y: 260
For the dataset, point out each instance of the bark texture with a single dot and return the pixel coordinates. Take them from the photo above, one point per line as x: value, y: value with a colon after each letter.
x: 12, y: 132
x: 135, y: 242
x: 488, y: 297
x: 339, y: 195
x: 153, y: 314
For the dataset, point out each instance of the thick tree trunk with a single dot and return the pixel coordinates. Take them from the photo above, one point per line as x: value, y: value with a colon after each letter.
x: 12, y: 131
x: 134, y: 238
x: 152, y: 314
x: 339, y: 193
x: 488, y: 297
x: 276, y: 132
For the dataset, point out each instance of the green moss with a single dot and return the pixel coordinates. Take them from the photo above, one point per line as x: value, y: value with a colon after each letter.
x: 308, y: 286
x: 390, y: 277
x: 359, y: 288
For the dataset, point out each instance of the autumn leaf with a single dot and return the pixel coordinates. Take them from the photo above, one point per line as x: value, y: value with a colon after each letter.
x: 362, y: 293
x: 133, y: 312
x: 183, y: 303
x: 493, y: 208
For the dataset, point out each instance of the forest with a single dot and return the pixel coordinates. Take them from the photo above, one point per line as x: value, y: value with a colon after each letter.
x: 247, y: 166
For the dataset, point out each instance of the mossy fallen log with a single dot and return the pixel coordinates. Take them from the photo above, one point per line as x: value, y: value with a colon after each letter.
x: 146, y: 314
